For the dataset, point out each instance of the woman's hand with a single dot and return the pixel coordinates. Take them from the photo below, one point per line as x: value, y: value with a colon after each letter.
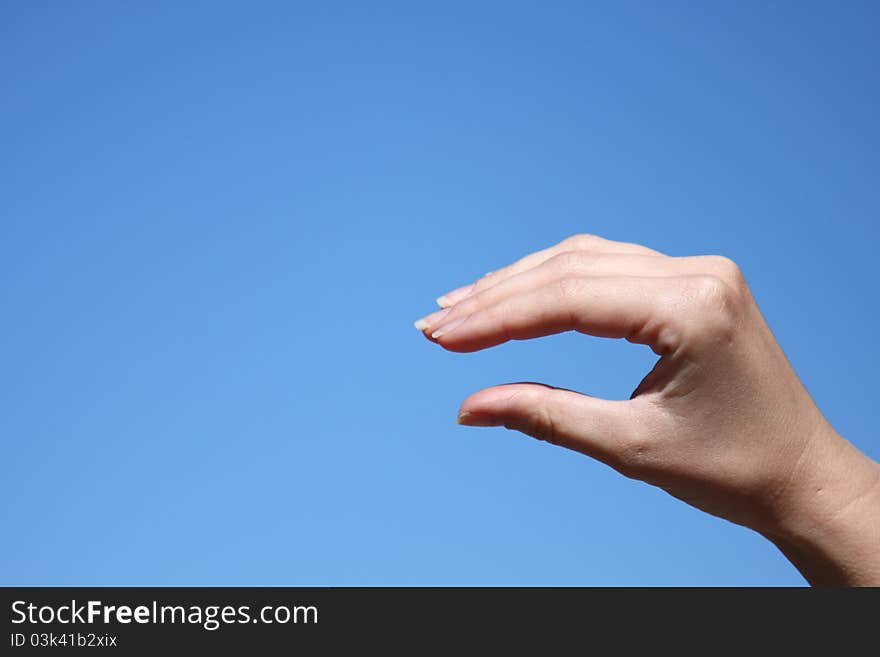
x: 721, y: 422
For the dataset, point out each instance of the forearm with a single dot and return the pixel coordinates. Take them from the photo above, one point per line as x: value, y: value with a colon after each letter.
x: 829, y: 526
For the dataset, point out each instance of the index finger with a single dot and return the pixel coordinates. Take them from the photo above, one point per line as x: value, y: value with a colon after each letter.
x: 631, y: 307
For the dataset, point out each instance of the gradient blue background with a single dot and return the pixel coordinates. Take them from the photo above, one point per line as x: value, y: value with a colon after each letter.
x: 219, y: 221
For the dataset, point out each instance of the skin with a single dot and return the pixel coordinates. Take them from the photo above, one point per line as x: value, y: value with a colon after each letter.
x: 721, y: 422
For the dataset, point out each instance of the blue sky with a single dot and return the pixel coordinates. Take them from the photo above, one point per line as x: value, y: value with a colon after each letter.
x: 219, y: 220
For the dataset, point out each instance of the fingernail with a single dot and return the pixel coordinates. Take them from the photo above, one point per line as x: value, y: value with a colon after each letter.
x: 473, y: 420
x: 428, y: 321
x: 451, y: 298
x: 448, y: 328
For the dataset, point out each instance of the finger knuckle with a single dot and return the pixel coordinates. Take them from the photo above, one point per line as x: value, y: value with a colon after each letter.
x: 728, y: 271
x: 585, y: 241
x: 536, y: 419
x: 714, y: 306
x: 567, y: 262
x: 543, y: 425
x: 485, y: 282
x: 505, y: 325
x: 569, y: 289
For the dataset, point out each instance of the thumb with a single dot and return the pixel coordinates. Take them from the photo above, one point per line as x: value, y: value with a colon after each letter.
x: 599, y: 428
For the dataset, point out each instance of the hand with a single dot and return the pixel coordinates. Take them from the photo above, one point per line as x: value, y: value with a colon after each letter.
x: 722, y: 420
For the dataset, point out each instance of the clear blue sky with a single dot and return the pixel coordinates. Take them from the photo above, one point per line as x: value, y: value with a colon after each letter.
x: 219, y: 221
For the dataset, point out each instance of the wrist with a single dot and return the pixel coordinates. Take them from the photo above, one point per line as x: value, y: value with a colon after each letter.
x: 828, y: 521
